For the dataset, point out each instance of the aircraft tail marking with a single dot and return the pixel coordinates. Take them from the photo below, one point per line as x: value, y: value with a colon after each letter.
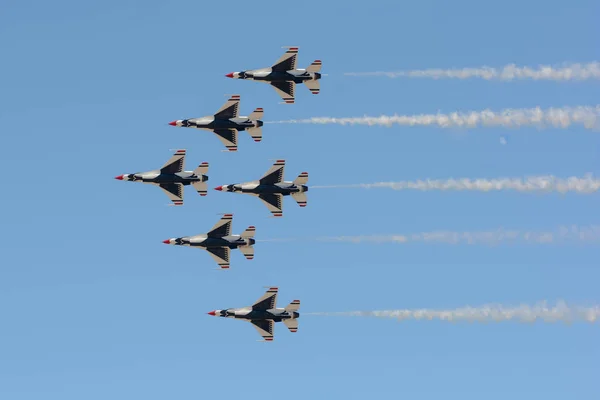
x: 314, y: 86
x: 292, y: 324
x: 315, y: 66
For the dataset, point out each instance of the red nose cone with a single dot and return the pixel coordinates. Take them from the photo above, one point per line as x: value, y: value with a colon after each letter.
x: 219, y: 188
x: 173, y: 123
x: 229, y: 75
x: 120, y: 177
x: 168, y: 241
x: 212, y: 313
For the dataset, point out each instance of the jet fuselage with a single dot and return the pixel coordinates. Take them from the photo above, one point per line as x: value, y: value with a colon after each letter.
x: 275, y: 314
x: 254, y: 187
x: 212, y: 123
x: 156, y: 177
x: 268, y: 75
x: 231, y: 241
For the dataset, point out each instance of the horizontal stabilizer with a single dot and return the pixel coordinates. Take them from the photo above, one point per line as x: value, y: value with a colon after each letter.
x: 302, y: 179
x: 293, y: 306
x: 314, y: 67
x: 314, y: 86
x: 256, y: 114
x: 255, y: 133
x: 202, y: 169
x: 249, y: 233
x: 201, y: 188
x: 300, y: 197
x: 247, y: 251
x: 292, y: 324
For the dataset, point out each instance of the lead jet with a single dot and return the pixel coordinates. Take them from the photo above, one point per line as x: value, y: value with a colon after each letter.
x: 263, y: 314
x: 283, y: 75
x: 171, y: 178
x: 226, y: 123
x: 219, y: 241
x: 271, y: 188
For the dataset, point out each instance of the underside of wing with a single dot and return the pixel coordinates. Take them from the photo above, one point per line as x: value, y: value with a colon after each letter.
x: 221, y: 228
x: 174, y: 191
x: 220, y: 255
x: 267, y: 301
x: 264, y: 328
x: 274, y: 203
x: 230, y: 108
x: 175, y: 163
x: 228, y: 137
x: 274, y: 174
x: 287, y: 61
x: 285, y: 89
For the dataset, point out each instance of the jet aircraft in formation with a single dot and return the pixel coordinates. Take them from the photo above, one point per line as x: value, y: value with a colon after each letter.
x: 271, y: 188
x: 264, y: 313
x: 219, y: 241
x: 283, y: 75
x: 171, y: 177
x: 226, y: 123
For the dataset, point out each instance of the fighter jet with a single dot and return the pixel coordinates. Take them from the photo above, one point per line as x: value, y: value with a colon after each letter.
x: 263, y: 314
x: 219, y: 241
x: 283, y: 75
x: 172, y: 178
x: 226, y: 123
x: 271, y: 187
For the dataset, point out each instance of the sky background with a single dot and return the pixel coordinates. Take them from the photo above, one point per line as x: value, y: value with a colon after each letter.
x: 93, y: 305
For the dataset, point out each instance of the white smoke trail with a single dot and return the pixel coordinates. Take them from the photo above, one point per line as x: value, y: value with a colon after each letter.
x: 548, y: 183
x: 565, y: 234
x: 561, y: 312
x: 565, y: 117
x: 511, y: 72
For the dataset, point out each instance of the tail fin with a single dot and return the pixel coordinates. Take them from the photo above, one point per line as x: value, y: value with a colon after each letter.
x: 255, y: 133
x: 256, y: 114
x: 248, y: 233
x: 247, y: 251
x: 314, y: 67
x: 202, y: 169
x: 300, y: 197
x: 292, y: 324
x: 302, y: 179
x: 201, y: 188
x: 293, y: 306
x: 313, y: 86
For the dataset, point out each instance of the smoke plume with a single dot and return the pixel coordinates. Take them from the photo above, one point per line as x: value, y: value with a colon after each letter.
x: 511, y: 72
x: 566, y: 234
x: 560, y: 118
x: 561, y: 312
x: 540, y: 184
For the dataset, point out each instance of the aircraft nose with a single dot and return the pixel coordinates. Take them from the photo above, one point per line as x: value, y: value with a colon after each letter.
x: 119, y: 177
x: 219, y: 188
x: 168, y: 241
x: 229, y: 75
x: 213, y: 313
x: 173, y: 123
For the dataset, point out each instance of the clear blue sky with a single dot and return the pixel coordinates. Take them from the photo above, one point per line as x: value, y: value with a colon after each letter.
x: 94, y: 306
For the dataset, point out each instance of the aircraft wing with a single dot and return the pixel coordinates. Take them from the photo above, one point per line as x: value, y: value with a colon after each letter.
x: 174, y: 191
x: 230, y: 108
x: 228, y: 137
x: 274, y: 202
x: 287, y: 61
x: 267, y: 301
x: 285, y: 89
x: 220, y: 255
x: 274, y: 174
x: 221, y: 228
x: 175, y: 163
x: 264, y: 328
